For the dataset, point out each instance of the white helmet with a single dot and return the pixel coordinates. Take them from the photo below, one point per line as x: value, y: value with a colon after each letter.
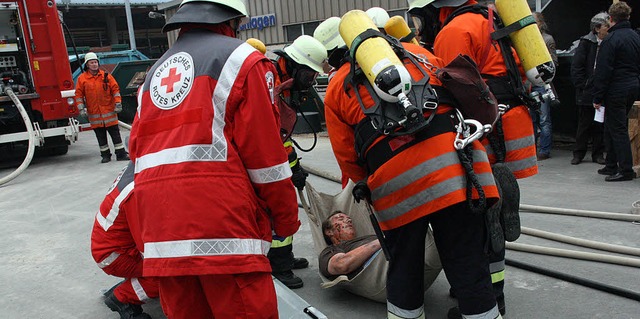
x: 90, y: 56
x: 436, y: 3
x: 379, y: 16
x: 206, y: 12
x: 328, y: 34
x: 308, y: 51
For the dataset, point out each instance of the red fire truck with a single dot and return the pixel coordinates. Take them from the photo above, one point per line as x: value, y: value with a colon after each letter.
x: 35, y: 76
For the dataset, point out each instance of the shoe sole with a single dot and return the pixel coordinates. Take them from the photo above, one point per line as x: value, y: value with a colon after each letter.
x: 494, y: 228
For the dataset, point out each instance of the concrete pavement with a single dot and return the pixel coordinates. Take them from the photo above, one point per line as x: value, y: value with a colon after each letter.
x: 46, y: 215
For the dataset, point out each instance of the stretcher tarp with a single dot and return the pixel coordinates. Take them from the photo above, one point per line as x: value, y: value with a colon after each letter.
x: 371, y: 281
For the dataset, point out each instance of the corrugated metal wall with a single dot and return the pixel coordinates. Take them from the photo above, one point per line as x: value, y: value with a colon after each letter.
x: 295, y: 11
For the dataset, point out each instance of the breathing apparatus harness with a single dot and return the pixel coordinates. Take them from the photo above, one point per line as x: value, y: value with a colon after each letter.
x: 509, y: 89
x: 297, y: 93
x: 393, y: 122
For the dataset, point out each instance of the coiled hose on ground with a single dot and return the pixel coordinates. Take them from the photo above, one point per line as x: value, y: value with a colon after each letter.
x: 32, y: 138
x: 632, y: 262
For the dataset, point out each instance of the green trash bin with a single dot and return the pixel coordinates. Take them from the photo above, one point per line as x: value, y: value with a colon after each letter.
x: 130, y: 75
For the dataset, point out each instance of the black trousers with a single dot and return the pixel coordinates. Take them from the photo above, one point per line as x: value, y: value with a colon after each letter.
x: 588, y: 129
x: 101, y: 135
x: 460, y: 237
x: 616, y: 130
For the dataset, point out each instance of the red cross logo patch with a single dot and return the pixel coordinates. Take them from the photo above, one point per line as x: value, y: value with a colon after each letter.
x: 172, y: 80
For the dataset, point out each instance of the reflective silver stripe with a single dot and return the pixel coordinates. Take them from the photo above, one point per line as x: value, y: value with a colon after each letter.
x: 139, y: 98
x: 491, y: 314
x: 305, y: 55
x: 117, y: 94
x: 109, y: 260
x: 137, y: 288
x: 104, y: 148
x: 107, y: 222
x: 331, y: 38
x: 118, y: 146
x: 227, y: 78
x: 205, y: 247
x: 93, y: 116
x: 514, y: 145
x: 188, y: 153
x: 432, y: 193
x: 421, y: 170
x: 270, y: 174
x: 497, y: 266
x: 105, y: 115
x: 520, y: 143
x: 522, y: 164
x: 404, y: 313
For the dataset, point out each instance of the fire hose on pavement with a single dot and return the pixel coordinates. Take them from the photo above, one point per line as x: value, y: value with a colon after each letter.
x: 632, y: 262
x: 32, y: 138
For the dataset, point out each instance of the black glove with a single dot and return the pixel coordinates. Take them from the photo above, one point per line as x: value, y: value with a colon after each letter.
x: 299, y: 176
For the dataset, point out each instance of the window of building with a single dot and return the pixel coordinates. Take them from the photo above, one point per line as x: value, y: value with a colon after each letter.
x: 295, y: 30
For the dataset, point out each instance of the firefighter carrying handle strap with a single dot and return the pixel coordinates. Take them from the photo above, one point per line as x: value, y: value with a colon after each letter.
x: 465, y: 153
x: 362, y: 192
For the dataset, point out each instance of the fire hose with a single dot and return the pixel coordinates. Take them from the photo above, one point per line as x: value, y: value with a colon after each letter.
x: 32, y: 138
x: 632, y: 262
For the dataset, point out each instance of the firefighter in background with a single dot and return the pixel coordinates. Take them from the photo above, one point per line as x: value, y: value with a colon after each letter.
x: 415, y: 181
x: 116, y: 246
x: 297, y: 67
x: 212, y: 178
x: 512, y: 141
x: 98, y: 98
x: 327, y: 33
x: 379, y: 16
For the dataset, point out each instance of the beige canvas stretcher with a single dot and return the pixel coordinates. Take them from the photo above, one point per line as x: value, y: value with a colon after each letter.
x: 370, y: 282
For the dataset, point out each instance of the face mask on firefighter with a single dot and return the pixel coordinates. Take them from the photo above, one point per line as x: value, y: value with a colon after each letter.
x: 427, y: 22
x: 304, y: 78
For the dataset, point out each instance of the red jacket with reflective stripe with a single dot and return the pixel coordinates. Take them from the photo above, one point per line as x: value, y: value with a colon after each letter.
x: 212, y: 176
x: 99, y: 98
x: 115, y: 239
x: 469, y: 34
x: 422, y: 179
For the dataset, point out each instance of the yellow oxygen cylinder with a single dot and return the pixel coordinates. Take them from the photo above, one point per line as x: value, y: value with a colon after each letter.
x: 527, y: 41
x: 399, y: 29
x: 382, y: 67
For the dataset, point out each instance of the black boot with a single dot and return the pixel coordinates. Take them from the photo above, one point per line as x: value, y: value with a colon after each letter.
x: 106, y: 156
x: 126, y: 311
x: 122, y: 155
x: 289, y: 279
x: 300, y: 263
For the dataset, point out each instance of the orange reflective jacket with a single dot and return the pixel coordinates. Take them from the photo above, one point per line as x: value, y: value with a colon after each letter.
x: 422, y: 179
x: 99, y: 98
x: 469, y: 34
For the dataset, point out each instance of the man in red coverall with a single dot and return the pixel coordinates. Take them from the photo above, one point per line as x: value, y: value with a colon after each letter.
x: 115, y: 246
x: 212, y: 177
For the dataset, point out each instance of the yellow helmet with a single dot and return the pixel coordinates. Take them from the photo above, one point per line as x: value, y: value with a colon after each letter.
x: 328, y: 34
x: 259, y: 45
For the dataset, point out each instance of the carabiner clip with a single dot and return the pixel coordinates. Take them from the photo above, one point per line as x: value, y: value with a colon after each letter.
x: 464, y: 131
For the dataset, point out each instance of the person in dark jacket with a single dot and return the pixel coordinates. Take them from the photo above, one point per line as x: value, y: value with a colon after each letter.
x: 616, y: 84
x: 582, y: 68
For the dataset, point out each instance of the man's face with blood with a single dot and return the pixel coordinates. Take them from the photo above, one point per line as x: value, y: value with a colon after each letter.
x: 341, y: 228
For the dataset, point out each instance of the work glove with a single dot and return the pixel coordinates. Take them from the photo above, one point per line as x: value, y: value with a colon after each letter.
x: 118, y: 107
x: 299, y: 176
x: 83, y: 112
